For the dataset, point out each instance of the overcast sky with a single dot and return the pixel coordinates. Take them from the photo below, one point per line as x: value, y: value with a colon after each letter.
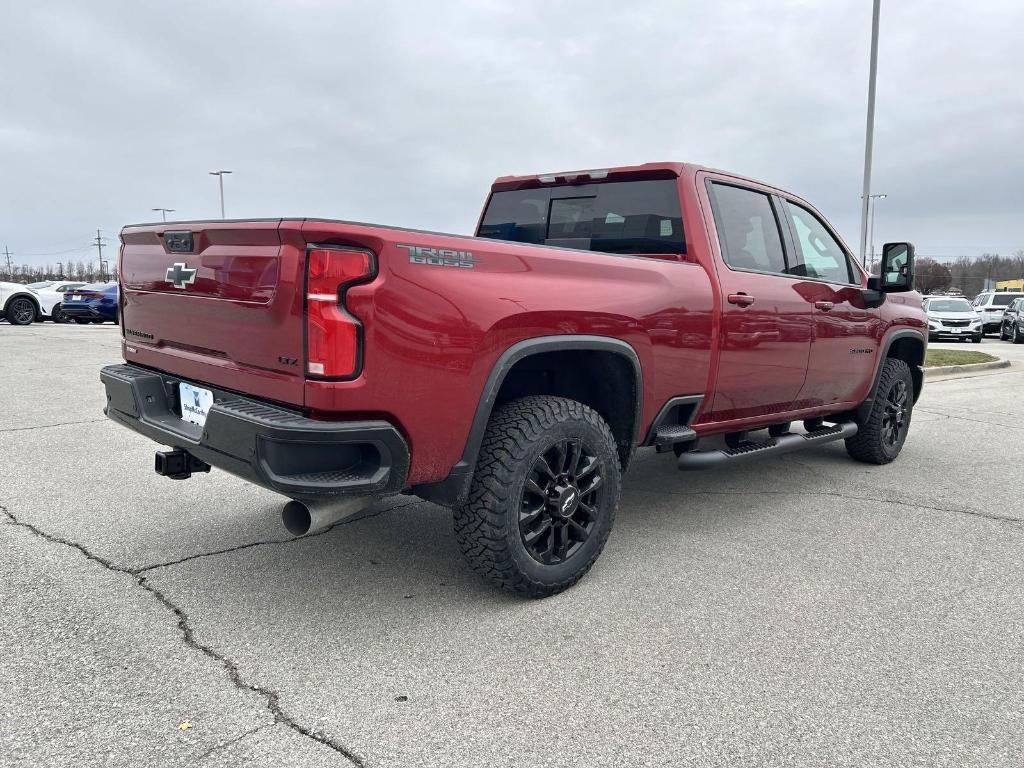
x: 404, y: 112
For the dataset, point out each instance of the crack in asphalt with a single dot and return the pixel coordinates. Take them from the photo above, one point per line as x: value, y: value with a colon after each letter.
x: 221, y: 745
x: 835, y: 494
x: 272, y: 697
x: 252, y: 544
x: 965, y: 418
x: 51, y: 426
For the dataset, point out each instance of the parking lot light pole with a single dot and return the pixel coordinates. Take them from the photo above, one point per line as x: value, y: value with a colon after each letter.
x: 869, y: 134
x: 871, y: 230
x: 164, y: 211
x: 220, y: 176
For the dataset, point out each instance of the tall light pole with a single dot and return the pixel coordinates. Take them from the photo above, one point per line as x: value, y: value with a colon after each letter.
x: 164, y: 211
x: 869, y: 135
x: 871, y: 235
x: 220, y: 176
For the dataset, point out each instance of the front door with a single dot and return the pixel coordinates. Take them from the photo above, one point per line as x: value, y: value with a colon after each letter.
x: 845, y: 345
x: 766, y: 325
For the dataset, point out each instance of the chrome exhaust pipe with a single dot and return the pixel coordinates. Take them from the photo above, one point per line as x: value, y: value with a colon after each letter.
x: 301, y: 518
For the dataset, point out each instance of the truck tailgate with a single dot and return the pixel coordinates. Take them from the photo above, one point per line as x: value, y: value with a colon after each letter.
x: 217, y: 302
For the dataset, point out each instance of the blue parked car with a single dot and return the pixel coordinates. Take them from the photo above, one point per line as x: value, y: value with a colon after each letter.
x: 93, y: 303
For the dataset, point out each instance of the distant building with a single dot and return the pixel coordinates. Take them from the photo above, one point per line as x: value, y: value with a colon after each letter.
x: 1010, y: 285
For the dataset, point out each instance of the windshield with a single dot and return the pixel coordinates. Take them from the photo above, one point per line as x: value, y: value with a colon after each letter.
x: 949, y: 305
x: 615, y: 217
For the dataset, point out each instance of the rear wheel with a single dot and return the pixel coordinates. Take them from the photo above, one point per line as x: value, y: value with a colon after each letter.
x: 20, y: 311
x: 882, y: 434
x: 543, y: 496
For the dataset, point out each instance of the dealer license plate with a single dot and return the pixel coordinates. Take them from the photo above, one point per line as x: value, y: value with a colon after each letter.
x: 195, y: 403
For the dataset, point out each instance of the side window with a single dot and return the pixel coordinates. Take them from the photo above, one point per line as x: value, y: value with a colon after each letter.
x: 748, y: 231
x: 822, y: 256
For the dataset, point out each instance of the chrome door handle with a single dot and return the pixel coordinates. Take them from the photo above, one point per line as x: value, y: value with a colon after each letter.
x: 741, y: 299
x: 825, y: 305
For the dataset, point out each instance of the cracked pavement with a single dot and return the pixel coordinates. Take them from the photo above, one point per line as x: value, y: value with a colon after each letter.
x: 804, y: 610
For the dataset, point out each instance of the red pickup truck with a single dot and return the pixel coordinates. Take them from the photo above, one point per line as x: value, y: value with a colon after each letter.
x: 512, y: 375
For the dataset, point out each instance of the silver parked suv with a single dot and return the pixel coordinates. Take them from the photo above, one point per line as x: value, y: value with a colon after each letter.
x: 991, y: 305
x: 952, y: 317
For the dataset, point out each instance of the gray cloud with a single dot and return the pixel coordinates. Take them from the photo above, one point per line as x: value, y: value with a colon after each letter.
x: 402, y: 113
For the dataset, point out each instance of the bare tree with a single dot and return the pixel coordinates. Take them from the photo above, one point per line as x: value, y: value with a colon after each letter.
x: 931, y: 276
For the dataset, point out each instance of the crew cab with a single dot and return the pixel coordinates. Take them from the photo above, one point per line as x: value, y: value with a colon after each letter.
x: 512, y: 375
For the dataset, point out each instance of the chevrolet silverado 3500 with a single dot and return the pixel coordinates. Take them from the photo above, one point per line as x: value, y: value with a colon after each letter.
x: 512, y: 375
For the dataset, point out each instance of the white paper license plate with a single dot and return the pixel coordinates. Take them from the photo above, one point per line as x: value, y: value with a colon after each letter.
x: 76, y: 298
x: 195, y: 403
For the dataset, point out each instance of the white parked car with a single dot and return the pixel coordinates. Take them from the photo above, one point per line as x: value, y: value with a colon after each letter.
x: 951, y: 317
x: 991, y: 305
x: 51, y: 294
x: 19, y: 304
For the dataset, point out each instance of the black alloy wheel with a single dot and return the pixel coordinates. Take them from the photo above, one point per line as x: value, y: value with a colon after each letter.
x: 559, y: 506
x: 883, y: 430
x: 21, y: 312
x: 543, y: 495
x: 894, y: 417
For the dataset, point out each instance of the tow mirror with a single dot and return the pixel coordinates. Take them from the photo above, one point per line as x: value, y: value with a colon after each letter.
x: 897, y: 270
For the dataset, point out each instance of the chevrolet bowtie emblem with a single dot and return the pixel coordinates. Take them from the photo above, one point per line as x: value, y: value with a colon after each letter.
x: 180, y: 275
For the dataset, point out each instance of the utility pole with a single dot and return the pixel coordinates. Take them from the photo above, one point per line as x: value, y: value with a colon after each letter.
x: 7, y: 254
x: 60, y: 270
x: 869, y: 134
x: 98, y: 242
x: 220, y: 176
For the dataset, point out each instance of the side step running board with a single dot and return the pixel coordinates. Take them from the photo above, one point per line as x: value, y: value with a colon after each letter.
x: 775, y: 445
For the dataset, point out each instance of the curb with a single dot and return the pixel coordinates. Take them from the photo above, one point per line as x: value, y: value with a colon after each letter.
x: 970, y: 368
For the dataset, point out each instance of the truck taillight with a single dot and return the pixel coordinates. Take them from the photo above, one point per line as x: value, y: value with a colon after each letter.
x: 333, y: 336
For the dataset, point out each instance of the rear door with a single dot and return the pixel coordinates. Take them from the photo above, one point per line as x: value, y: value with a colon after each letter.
x: 218, y: 303
x: 844, y: 348
x: 766, y: 324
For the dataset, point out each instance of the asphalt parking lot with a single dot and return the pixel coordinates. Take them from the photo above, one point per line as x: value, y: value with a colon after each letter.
x: 806, y: 610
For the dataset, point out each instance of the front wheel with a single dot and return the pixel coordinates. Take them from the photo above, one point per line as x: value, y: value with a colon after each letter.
x: 57, y: 315
x: 1015, y: 335
x: 21, y: 312
x: 882, y: 434
x: 543, y: 497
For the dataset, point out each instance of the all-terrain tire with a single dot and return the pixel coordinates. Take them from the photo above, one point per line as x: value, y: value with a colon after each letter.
x: 873, y: 443
x: 487, y: 524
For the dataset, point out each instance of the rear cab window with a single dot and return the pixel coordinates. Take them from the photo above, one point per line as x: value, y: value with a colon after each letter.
x: 626, y: 217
